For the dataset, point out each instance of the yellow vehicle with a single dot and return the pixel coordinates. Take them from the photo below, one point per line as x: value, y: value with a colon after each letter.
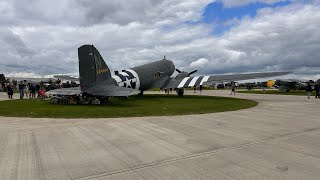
x: 271, y: 83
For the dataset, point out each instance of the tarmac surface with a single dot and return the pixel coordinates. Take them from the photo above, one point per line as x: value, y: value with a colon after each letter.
x: 278, y: 139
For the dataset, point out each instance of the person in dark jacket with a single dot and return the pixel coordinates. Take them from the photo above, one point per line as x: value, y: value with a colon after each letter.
x: 21, y: 89
x: 317, y: 89
x: 308, y: 90
x: 32, y: 91
x: 37, y: 87
x: 9, y: 90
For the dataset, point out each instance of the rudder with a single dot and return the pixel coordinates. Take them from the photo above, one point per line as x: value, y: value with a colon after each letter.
x: 92, y: 67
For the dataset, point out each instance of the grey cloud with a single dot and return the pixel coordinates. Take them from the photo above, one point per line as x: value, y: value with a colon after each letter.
x: 15, y: 43
x: 120, y: 12
x: 87, y: 13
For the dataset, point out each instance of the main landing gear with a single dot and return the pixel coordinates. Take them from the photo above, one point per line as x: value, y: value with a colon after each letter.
x: 140, y: 93
x: 180, y: 92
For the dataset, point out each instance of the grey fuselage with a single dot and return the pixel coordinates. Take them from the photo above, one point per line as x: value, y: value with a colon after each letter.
x: 147, y: 76
x: 290, y: 85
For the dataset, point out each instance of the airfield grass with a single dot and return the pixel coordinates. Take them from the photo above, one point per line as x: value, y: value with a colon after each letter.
x: 297, y: 92
x: 135, y: 106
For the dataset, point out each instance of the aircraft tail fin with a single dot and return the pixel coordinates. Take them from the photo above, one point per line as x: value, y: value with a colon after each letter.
x: 92, y: 67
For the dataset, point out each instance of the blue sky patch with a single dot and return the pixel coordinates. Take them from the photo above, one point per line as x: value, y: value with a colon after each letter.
x: 217, y: 14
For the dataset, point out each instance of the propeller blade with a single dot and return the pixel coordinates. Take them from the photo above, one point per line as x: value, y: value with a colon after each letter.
x: 193, y: 72
x: 178, y: 71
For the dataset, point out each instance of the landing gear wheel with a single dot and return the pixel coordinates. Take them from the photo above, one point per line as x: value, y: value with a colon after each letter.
x: 104, y: 100
x: 140, y: 93
x: 180, y: 92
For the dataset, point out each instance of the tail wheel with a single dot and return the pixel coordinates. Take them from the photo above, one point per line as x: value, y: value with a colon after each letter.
x: 180, y: 92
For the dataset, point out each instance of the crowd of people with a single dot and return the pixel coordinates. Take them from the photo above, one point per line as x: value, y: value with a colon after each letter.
x: 30, y: 90
x: 171, y: 90
x: 316, y: 89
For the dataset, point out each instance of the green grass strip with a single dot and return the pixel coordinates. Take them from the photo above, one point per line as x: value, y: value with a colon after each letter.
x: 135, y: 106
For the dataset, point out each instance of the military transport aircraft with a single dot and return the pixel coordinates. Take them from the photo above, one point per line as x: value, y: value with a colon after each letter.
x: 290, y: 84
x: 97, y: 80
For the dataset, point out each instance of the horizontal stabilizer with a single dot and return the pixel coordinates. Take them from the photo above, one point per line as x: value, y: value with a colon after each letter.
x: 65, y: 91
x: 98, y: 90
x: 109, y: 90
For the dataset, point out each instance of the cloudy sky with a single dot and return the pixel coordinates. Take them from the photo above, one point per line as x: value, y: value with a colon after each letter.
x: 39, y: 37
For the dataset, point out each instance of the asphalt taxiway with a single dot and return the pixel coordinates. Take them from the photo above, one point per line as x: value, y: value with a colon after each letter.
x: 278, y: 139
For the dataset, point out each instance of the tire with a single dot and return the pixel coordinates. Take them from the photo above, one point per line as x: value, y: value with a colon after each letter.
x: 180, y: 92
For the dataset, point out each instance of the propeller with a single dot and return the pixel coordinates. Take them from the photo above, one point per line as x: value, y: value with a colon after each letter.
x: 178, y: 71
x: 192, y: 72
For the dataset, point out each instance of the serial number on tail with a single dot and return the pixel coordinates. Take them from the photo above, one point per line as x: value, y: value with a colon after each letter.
x: 103, y: 70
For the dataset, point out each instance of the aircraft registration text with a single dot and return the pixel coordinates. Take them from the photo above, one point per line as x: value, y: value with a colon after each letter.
x: 103, y: 70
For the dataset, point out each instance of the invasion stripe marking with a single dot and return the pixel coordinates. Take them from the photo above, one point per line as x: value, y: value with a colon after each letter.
x: 123, y: 78
x: 124, y: 74
x: 205, y: 79
x: 117, y: 78
x: 198, y: 81
x: 194, y: 80
x: 135, y: 74
x: 188, y: 82
x: 183, y: 82
x: 129, y: 73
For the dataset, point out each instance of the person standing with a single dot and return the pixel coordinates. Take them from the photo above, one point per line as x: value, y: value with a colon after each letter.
x: 263, y: 89
x: 233, y: 87
x: 200, y: 88
x: 32, y: 91
x: 317, y: 89
x: 21, y: 89
x: 308, y: 90
x: 9, y: 90
x: 37, y: 87
x: 26, y: 88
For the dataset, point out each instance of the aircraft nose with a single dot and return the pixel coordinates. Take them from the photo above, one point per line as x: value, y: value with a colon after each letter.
x: 172, y: 67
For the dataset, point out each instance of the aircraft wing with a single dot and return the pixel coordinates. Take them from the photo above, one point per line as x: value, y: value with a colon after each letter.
x: 292, y: 80
x: 200, y: 80
x: 30, y: 80
x: 66, y: 77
